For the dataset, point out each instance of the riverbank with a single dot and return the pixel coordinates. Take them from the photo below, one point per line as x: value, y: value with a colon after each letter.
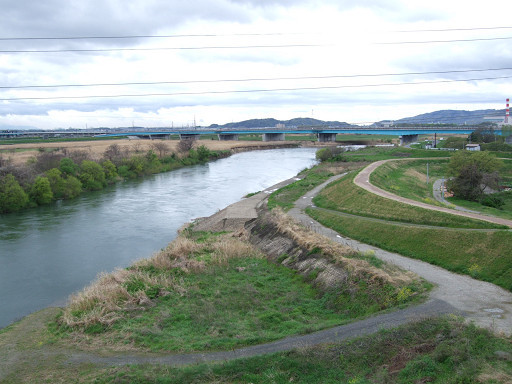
x: 52, y: 251
x: 21, y: 153
x: 34, y: 356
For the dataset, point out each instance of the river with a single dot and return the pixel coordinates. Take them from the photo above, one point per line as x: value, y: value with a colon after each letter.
x: 49, y: 252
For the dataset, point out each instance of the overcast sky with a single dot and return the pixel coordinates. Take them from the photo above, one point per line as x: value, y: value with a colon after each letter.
x: 331, y: 60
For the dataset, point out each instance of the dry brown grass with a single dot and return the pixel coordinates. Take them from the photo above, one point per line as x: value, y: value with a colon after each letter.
x: 96, y: 149
x: 491, y: 375
x: 108, y: 299
x: 415, y: 174
x: 342, y: 255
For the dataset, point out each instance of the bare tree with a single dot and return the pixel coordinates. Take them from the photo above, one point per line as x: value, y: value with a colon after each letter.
x: 185, y: 145
x: 47, y: 160
x: 3, y: 161
x: 79, y: 156
x: 137, y: 147
x: 161, y: 147
x: 113, y: 153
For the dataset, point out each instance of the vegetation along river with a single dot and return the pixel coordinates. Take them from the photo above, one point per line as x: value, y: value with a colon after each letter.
x: 49, y: 252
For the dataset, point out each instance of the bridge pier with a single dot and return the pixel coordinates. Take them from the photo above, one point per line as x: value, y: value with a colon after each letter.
x: 228, y: 136
x: 274, y: 137
x: 326, y: 137
x: 408, y: 139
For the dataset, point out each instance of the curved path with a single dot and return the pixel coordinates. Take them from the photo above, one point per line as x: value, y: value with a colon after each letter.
x: 363, y: 180
x: 484, y: 303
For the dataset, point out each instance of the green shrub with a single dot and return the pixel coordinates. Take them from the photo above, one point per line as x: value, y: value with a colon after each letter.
x: 92, y: 175
x: 69, y: 167
x: 41, y: 191
x: 110, y: 170
x: 12, y: 196
x: 323, y: 154
x: 492, y: 201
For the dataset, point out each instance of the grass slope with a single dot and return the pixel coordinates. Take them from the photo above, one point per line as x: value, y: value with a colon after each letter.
x: 435, y: 351
x: 344, y: 196
x: 216, y: 292
x: 483, y: 255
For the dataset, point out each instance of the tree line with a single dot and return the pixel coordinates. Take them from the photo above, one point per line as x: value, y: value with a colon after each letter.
x: 63, y: 174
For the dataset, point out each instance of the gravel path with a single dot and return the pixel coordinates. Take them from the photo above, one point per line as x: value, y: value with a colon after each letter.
x: 363, y: 180
x: 438, y: 192
x: 484, y: 303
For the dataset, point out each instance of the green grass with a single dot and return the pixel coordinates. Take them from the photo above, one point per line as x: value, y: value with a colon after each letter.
x: 481, y: 254
x: 409, y: 178
x: 375, y: 153
x: 505, y: 212
x: 344, y: 196
x: 224, y: 308
x: 206, y: 300
x: 442, y: 351
x: 286, y: 196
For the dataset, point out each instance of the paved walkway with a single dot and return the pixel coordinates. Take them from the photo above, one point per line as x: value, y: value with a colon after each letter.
x: 438, y: 192
x: 363, y: 180
x: 484, y: 303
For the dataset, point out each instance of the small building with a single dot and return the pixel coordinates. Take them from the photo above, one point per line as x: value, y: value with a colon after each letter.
x: 473, y: 147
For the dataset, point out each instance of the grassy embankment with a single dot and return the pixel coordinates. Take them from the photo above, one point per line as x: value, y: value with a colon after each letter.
x: 217, y: 292
x: 482, y: 254
x: 429, y: 351
x: 435, y: 351
x: 408, y: 179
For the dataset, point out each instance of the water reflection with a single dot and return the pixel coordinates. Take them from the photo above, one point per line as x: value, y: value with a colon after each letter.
x: 49, y: 252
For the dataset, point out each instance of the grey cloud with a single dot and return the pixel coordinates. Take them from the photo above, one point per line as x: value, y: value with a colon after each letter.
x: 58, y: 18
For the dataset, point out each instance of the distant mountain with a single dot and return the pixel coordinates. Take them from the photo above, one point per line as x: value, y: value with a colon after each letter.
x: 450, y: 116
x: 292, y: 123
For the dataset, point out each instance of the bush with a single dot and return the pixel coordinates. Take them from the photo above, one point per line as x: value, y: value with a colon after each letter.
x: 203, y: 153
x: 110, y: 170
x: 69, y: 167
x: 41, y: 191
x: 323, y: 154
x: 12, y: 196
x: 92, y: 176
x: 492, y: 201
x: 71, y: 188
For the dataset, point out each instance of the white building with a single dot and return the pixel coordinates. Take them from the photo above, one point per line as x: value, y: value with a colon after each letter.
x: 473, y: 147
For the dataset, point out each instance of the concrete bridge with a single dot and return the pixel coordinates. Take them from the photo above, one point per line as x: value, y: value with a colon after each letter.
x: 321, y: 133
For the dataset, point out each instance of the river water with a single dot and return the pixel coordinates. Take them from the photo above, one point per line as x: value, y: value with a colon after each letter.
x: 50, y: 252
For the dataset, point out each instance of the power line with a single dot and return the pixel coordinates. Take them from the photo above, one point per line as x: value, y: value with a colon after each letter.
x: 162, y: 48
x: 443, y: 41
x: 453, y: 29
x: 251, y: 90
x: 252, y: 79
x: 125, y: 37
x: 86, y: 50
x: 150, y: 36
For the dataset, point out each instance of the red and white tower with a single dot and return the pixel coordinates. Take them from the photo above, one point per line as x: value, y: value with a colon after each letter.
x: 507, y: 112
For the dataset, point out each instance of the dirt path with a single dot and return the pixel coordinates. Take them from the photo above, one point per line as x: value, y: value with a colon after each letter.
x: 485, y: 304
x: 363, y: 180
